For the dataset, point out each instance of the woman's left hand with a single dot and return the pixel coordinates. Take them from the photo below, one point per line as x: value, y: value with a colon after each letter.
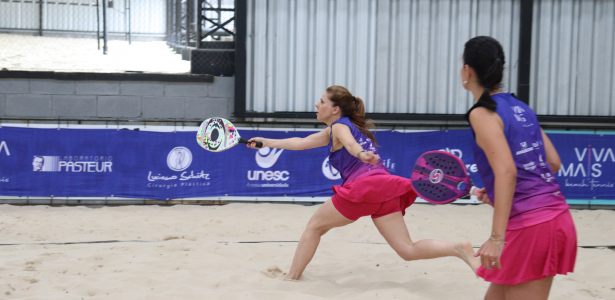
x: 369, y: 157
x: 481, y: 194
x: 490, y: 254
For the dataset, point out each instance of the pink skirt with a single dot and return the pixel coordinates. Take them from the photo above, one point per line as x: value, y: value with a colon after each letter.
x: 376, y: 194
x: 535, y: 252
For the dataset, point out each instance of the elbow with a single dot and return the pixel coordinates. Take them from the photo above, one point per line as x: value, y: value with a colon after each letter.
x: 553, y: 160
x: 509, y: 173
x: 301, y: 146
x: 554, y: 163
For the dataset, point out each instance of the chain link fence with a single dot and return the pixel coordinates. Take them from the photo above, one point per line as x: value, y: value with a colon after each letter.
x: 214, y: 58
x: 71, y: 35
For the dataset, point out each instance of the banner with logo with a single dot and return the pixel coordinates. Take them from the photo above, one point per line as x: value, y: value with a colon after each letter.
x: 171, y: 165
x: 588, y: 165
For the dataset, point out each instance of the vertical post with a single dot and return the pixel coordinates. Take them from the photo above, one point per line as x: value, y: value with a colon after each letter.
x: 178, y: 22
x: 199, y: 23
x: 104, y: 26
x: 128, y: 11
x: 525, y: 50
x: 98, y: 23
x: 168, y: 32
x: 125, y: 20
x: 173, y: 31
x: 219, y: 18
x: 219, y: 12
x: 40, y: 17
x: 189, y: 7
x: 172, y: 21
x: 184, y: 14
x: 241, y: 27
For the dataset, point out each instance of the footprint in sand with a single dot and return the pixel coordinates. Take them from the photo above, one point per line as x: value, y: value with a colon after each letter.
x: 273, y: 272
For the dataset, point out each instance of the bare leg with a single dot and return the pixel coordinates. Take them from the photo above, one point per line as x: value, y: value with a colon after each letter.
x: 325, y: 218
x: 532, y: 290
x: 496, y: 292
x: 394, y: 230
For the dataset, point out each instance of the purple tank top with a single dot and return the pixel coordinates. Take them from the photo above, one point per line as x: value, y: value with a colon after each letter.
x: 537, y: 194
x: 349, y: 166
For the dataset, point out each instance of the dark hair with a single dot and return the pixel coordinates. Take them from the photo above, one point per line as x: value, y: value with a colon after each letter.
x: 351, y: 107
x: 486, y: 56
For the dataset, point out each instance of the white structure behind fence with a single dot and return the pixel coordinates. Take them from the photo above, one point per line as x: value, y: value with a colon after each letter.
x: 146, y: 16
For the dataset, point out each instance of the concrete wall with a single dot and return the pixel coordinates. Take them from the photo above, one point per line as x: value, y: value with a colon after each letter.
x: 115, y: 99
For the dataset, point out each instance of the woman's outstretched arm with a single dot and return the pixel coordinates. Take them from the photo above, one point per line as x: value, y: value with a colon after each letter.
x: 315, y: 140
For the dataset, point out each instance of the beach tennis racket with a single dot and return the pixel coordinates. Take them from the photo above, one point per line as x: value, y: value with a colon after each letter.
x: 218, y: 134
x: 440, y: 177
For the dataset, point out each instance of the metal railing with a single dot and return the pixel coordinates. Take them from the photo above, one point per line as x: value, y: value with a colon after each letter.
x: 192, y: 22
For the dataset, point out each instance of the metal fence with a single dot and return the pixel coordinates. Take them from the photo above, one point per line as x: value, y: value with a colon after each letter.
x: 181, y: 26
x: 191, y: 22
x: 140, y: 17
x: 74, y: 35
x: 204, y: 33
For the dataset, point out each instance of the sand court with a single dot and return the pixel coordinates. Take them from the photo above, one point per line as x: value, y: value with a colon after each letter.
x: 241, y: 250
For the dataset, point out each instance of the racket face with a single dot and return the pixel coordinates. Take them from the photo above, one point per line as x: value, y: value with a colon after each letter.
x: 440, y: 177
x: 217, y: 134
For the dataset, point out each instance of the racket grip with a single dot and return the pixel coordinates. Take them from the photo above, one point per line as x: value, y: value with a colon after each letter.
x: 244, y: 141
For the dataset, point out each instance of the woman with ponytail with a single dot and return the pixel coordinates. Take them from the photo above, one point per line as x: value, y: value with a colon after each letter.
x: 368, y: 188
x: 533, y: 237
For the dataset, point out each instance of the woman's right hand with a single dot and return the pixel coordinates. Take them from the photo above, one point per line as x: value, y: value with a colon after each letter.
x: 490, y: 253
x: 481, y: 194
x: 252, y: 142
x: 369, y: 157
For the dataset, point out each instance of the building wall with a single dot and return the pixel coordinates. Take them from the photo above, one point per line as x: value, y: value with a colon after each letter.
x: 123, y: 100
x: 399, y: 56
x: 573, y: 58
x: 405, y: 56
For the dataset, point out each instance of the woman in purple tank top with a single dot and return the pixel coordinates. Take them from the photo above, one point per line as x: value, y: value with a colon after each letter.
x: 368, y: 188
x: 533, y: 235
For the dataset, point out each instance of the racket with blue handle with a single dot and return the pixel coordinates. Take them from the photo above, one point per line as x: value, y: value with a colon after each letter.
x: 440, y: 177
x: 218, y: 134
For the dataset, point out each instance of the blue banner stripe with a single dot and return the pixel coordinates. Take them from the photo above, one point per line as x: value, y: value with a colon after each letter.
x: 39, y: 162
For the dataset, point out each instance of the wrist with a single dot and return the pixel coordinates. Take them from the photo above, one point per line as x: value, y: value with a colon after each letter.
x: 497, y: 239
x: 359, y: 154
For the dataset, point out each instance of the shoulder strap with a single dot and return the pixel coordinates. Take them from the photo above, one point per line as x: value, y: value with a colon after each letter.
x: 477, y: 104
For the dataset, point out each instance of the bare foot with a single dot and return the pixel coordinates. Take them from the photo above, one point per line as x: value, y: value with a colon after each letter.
x: 466, y: 252
x: 289, y: 277
x: 286, y: 278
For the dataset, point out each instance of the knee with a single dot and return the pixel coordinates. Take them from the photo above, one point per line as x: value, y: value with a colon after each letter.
x: 407, y: 253
x: 317, y: 229
x: 406, y: 257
